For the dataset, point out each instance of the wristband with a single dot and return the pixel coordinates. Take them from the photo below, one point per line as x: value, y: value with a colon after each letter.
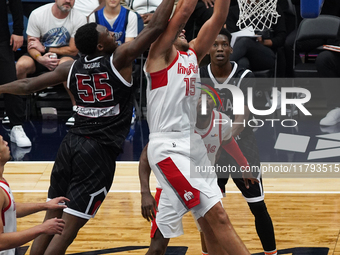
x: 47, y: 49
x: 36, y: 56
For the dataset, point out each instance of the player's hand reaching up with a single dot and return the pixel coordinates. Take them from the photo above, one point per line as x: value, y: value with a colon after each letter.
x: 149, y: 206
x: 53, y: 226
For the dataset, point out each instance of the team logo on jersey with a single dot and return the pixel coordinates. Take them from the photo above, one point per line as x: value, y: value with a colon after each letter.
x: 188, y: 195
x: 214, y: 135
x: 210, y: 148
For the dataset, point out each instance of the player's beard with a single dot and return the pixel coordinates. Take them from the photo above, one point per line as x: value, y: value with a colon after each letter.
x: 181, y: 45
x: 184, y: 47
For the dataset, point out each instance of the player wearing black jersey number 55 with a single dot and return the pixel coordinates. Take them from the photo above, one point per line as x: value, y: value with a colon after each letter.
x: 101, y: 84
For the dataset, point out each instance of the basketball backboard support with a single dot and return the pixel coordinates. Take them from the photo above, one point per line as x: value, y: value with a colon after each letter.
x: 311, y: 8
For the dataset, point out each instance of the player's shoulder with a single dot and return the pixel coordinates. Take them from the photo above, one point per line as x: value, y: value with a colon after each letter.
x: 204, y: 71
x: 241, y: 72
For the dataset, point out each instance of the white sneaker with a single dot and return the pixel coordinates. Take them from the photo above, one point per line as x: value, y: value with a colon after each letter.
x: 19, y: 137
x: 19, y: 153
x: 331, y: 118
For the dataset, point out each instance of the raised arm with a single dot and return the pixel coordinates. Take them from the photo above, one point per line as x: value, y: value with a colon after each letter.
x: 162, y: 51
x: 210, y: 29
x: 126, y: 53
x: 29, y: 85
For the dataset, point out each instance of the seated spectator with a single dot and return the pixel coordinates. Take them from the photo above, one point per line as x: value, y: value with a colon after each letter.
x: 327, y: 64
x: 117, y: 19
x: 145, y: 8
x: 50, y: 35
x: 257, y: 54
x: 330, y: 7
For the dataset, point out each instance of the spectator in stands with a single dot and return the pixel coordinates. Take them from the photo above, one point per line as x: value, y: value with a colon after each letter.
x: 14, y: 105
x: 50, y: 30
x: 203, y: 11
x: 327, y: 64
x: 87, y: 6
x: 257, y: 54
x: 330, y: 7
x: 117, y: 19
x: 145, y: 8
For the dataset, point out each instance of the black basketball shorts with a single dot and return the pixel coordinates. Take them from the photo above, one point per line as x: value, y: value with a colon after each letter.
x: 83, y: 172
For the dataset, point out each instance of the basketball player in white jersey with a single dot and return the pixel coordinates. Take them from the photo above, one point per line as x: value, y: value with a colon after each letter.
x: 174, y: 149
x: 9, y: 238
x: 215, y: 136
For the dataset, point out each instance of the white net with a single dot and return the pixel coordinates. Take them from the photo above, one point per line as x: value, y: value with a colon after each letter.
x: 260, y: 14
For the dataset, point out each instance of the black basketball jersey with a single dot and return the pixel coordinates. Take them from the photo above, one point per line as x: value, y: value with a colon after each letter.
x: 104, y: 101
x: 238, y: 77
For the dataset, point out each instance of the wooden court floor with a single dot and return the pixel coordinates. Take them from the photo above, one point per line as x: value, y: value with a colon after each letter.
x: 305, y: 212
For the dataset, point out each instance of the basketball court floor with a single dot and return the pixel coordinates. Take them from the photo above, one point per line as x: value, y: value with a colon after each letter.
x: 301, y: 183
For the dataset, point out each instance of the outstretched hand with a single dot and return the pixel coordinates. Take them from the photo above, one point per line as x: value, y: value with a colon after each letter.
x: 53, y: 226
x: 146, y: 17
x: 149, y: 207
x: 57, y: 203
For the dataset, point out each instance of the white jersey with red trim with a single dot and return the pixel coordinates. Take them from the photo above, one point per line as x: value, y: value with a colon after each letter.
x: 172, y: 95
x: 8, y: 215
x: 218, y: 130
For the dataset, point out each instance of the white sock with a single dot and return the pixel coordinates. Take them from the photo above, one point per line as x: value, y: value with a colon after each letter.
x: 274, y: 252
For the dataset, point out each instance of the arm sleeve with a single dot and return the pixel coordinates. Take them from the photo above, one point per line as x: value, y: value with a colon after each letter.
x: 233, y: 150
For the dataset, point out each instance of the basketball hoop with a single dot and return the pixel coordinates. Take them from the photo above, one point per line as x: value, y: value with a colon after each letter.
x: 260, y: 14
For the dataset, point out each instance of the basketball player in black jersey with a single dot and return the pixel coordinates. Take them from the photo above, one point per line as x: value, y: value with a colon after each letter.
x: 101, y: 83
x: 223, y: 71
